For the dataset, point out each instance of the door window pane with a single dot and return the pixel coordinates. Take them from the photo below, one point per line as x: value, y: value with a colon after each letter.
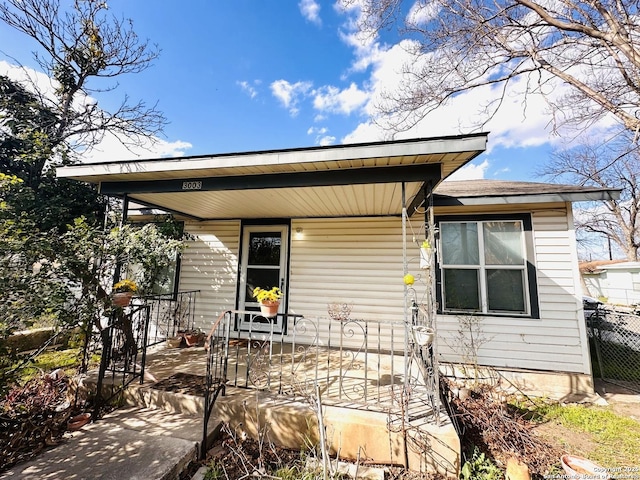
x: 503, y: 243
x: 260, y: 277
x: 461, y: 289
x: 505, y: 290
x: 264, y: 248
x: 460, y: 243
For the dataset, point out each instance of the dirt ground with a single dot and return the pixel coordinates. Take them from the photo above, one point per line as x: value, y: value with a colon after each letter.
x: 234, y: 457
x: 565, y: 439
x: 622, y: 401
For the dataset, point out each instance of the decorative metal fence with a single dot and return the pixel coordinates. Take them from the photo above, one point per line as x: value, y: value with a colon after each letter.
x: 149, y: 320
x: 425, y: 355
x: 355, y: 362
x: 615, y: 336
x: 124, y: 343
x: 169, y: 314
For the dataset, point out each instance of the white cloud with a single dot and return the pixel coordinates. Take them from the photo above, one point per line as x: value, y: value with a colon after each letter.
x: 321, y: 137
x: 470, y: 172
x: 289, y: 94
x: 423, y: 12
x: 248, y: 88
x: 110, y: 148
x: 326, y: 140
x: 310, y: 10
x: 364, y: 43
x: 28, y: 75
x: 332, y: 99
x: 521, y: 121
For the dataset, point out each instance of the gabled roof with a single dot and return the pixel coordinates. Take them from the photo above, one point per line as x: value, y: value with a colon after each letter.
x: 346, y: 180
x: 492, y: 192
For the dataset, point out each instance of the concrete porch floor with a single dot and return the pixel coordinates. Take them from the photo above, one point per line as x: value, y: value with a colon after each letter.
x: 375, y: 432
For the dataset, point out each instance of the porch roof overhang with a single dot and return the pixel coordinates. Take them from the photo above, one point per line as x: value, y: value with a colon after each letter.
x: 502, y: 192
x: 336, y: 181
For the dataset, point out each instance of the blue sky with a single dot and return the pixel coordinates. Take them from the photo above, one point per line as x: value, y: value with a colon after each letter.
x: 271, y: 74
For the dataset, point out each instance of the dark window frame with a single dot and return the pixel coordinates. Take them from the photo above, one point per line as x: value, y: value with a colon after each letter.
x: 530, y: 268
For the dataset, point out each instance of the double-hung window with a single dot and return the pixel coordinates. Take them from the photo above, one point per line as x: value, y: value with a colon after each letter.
x: 485, y: 266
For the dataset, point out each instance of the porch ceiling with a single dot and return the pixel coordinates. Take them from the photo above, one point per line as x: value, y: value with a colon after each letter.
x: 336, y: 181
x: 328, y: 201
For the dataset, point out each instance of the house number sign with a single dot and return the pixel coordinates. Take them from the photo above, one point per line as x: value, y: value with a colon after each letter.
x: 191, y: 185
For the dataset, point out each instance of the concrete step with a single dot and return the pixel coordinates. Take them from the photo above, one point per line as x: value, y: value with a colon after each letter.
x: 147, y: 396
x: 158, y: 422
x: 158, y: 412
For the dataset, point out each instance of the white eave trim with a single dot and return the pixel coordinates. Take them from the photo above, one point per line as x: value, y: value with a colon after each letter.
x: 530, y: 198
x: 282, y: 157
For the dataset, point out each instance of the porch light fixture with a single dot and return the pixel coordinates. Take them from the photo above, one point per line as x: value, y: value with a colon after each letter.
x: 299, y: 233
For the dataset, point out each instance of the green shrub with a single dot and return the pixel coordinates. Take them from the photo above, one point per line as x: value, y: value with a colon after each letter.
x: 479, y: 467
x: 214, y: 471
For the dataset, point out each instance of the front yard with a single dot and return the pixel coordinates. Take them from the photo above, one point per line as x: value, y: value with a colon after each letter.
x: 494, y: 428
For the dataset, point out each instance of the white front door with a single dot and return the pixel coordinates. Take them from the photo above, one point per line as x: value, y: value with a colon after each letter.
x: 264, y: 262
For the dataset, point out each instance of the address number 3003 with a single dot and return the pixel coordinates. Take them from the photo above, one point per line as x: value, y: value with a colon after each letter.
x: 192, y: 185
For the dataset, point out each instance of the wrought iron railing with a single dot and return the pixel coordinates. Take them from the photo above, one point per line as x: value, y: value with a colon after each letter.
x: 123, y: 357
x: 217, y: 346
x: 424, y: 351
x: 169, y: 314
x: 355, y: 362
x: 149, y: 320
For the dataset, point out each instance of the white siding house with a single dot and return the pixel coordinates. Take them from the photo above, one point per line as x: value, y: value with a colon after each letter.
x: 616, y: 283
x: 333, y: 217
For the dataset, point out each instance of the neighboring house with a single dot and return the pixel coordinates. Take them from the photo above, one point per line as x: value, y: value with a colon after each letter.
x: 326, y: 225
x: 614, y: 282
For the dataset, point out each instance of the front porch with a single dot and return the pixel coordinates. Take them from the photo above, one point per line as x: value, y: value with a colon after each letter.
x: 379, y: 405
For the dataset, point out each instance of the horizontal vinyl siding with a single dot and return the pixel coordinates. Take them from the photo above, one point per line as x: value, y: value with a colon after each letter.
x: 357, y: 261
x: 552, y: 342
x: 210, y: 265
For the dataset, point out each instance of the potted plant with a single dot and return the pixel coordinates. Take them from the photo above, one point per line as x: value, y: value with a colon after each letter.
x: 193, y: 337
x: 269, y: 300
x: 423, y: 335
x: 123, y: 291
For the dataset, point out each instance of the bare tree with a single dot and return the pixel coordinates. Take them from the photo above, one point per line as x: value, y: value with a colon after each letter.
x: 609, y: 165
x: 77, y: 45
x: 458, y: 45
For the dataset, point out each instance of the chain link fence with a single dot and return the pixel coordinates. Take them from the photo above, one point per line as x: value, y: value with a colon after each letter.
x: 615, y: 344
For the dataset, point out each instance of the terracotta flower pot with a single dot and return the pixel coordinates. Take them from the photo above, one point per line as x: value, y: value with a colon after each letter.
x: 578, y: 467
x: 122, y: 299
x: 79, y: 421
x: 193, y: 339
x: 269, y: 309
